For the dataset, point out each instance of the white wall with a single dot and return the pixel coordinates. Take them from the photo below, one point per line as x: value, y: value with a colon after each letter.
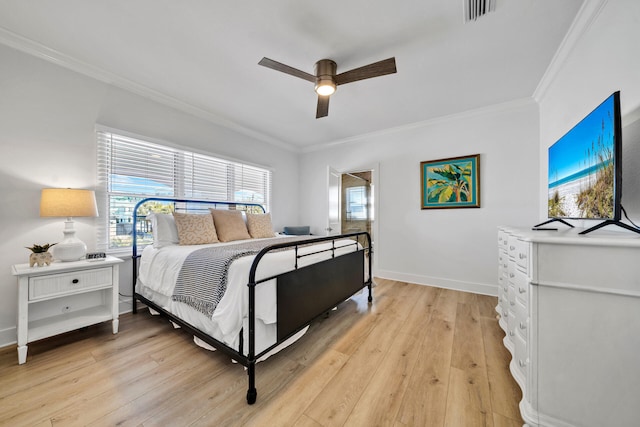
x: 47, y: 119
x: 453, y: 248
x: 603, y: 60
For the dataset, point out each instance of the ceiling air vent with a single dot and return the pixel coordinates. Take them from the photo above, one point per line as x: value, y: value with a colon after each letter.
x: 474, y: 9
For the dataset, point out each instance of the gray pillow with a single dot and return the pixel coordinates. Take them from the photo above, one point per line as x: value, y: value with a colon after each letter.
x: 299, y: 230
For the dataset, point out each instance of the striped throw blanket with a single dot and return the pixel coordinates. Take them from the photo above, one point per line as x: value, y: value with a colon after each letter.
x: 202, y: 280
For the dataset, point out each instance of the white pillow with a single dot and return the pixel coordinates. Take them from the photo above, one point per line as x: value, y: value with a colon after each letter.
x: 165, y: 232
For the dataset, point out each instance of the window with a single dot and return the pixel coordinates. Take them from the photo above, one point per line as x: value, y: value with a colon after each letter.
x: 130, y: 169
x: 356, y: 203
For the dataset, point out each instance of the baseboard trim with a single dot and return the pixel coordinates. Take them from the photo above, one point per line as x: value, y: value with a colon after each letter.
x: 476, y: 288
x: 8, y: 337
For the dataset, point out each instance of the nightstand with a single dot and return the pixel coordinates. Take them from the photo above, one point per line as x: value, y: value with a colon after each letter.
x: 63, y: 297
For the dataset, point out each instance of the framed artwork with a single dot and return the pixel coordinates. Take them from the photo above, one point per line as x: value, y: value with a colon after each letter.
x: 451, y: 183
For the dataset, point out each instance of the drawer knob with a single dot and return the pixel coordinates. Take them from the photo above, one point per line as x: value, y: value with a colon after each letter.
x: 512, y: 302
x: 523, y: 326
x: 75, y: 281
x: 522, y: 256
x: 522, y: 290
x: 511, y: 333
x: 512, y: 275
x: 511, y: 248
x: 521, y: 363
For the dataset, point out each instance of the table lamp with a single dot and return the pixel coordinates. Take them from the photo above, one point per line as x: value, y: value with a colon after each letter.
x: 67, y: 202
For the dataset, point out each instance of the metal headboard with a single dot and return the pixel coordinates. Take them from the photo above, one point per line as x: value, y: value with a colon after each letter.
x: 184, y: 205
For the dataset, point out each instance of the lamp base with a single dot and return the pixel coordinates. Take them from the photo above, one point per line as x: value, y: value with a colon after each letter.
x: 71, y: 248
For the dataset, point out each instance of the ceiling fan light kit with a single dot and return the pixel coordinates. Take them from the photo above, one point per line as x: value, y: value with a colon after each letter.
x: 326, y: 80
x: 325, y: 70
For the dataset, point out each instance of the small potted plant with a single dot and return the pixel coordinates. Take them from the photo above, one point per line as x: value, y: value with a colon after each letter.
x: 40, y: 255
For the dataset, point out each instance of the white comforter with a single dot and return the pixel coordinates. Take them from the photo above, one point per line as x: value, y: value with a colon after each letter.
x: 159, y: 270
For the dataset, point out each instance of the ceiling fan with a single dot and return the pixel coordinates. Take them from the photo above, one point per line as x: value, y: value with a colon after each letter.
x: 326, y: 80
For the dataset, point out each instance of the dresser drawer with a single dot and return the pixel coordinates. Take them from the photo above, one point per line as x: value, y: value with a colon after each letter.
x: 522, y: 319
x: 521, y: 255
x: 521, y: 358
x: 521, y: 286
x: 502, y: 240
x: 502, y: 260
x: 42, y: 287
x: 512, y: 246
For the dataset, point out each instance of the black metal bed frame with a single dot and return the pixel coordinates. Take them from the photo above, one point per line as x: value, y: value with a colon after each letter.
x: 307, y: 292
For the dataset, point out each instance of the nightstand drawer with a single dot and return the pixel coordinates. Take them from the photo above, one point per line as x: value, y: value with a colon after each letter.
x: 42, y: 287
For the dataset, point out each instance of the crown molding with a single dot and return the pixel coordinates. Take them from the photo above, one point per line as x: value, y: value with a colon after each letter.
x: 588, y: 13
x: 490, y: 109
x: 48, y: 54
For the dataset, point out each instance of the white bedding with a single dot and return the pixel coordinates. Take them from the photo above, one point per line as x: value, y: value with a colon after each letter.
x: 159, y: 270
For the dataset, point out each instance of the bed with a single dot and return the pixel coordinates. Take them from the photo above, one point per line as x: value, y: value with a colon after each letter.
x: 246, y: 291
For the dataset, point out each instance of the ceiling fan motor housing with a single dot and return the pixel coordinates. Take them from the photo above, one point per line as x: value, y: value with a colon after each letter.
x: 325, y: 71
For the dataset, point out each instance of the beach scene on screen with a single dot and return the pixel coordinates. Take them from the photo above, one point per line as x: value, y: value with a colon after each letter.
x: 581, y: 168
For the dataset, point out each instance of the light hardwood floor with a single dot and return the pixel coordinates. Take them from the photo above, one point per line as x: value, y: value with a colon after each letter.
x: 418, y: 356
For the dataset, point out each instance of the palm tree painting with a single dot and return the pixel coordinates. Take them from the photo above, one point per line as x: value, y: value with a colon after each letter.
x: 451, y: 183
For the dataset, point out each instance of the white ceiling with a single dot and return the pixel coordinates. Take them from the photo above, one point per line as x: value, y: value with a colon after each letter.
x: 202, y: 55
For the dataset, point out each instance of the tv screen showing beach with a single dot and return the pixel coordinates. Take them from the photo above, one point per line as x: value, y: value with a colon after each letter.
x: 581, y: 167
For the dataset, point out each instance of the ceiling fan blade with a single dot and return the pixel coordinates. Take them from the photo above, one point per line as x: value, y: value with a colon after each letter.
x: 380, y: 68
x: 275, y: 65
x: 323, y: 107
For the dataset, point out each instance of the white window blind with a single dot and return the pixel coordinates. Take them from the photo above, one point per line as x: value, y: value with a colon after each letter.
x: 130, y: 169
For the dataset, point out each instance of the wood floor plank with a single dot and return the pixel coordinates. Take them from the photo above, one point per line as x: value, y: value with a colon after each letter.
x: 305, y: 421
x: 86, y: 382
x: 469, y: 394
x: 502, y: 421
x: 417, y: 356
x: 503, y: 388
x: 424, y: 402
x: 173, y: 361
x: 333, y: 406
x: 381, y: 400
x: 462, y: 402
x: 287, y: 406
x: 487, y: 305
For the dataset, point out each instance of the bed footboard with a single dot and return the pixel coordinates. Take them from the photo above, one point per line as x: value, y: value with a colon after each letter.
x: 313, y: 290
x: 309, y: 291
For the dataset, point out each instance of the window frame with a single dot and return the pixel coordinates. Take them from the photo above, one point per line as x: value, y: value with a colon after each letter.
x: 191, y: 175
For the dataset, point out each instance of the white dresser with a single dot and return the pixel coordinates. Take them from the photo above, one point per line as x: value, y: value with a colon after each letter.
x: 570, y: 308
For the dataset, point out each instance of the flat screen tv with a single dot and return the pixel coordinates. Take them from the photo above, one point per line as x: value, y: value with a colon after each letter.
x: 585, y: 169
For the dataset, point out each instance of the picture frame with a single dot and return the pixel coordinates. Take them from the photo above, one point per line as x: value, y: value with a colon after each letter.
x: 450, y: 183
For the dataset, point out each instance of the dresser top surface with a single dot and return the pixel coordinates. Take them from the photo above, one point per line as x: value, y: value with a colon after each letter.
x: 571, y: 236
x: 61, y: 267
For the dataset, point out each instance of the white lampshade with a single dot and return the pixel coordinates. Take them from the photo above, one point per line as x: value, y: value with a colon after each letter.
x: 67, y: 202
